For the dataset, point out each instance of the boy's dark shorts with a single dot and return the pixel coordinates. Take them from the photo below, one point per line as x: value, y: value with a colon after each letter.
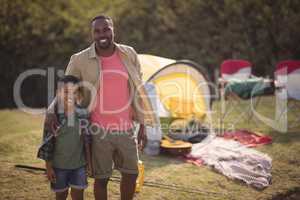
x: 116, y: 149
x: 65, y: 178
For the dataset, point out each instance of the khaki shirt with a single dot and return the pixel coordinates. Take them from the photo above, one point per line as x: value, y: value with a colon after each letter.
x: 86, y: 66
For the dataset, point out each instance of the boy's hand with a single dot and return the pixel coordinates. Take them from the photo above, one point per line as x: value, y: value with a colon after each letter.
x: 50, y: 173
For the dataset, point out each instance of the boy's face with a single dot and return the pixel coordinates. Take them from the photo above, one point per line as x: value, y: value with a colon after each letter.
x: 67, y: 94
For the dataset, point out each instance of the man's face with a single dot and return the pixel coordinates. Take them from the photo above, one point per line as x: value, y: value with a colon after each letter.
x: 102, y: 33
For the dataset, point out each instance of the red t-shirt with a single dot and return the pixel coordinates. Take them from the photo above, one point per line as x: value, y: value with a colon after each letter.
x: 113, y: 106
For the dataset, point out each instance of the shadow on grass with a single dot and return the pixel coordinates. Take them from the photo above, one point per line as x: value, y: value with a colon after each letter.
x: 291, y: 194
x: 154, y: 162
x: 292, y: 136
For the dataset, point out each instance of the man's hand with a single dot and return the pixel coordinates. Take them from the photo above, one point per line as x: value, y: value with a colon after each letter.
x: 89, y: 170
x: 50, y: 173
x: 142, y: 137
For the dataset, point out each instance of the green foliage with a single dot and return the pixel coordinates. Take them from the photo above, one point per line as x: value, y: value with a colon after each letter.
x: 40, y: 34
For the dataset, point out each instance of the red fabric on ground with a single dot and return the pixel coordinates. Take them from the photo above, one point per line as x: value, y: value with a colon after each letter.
x: 247, y: 138
x: 196, y: 161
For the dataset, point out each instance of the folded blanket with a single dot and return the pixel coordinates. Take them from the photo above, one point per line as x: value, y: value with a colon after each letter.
x: 233, y: 160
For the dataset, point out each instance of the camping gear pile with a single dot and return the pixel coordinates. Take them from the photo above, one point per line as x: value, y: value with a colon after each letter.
x: 180, y: 90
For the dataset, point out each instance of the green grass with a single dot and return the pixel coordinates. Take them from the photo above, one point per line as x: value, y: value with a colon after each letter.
x: 20, y: 135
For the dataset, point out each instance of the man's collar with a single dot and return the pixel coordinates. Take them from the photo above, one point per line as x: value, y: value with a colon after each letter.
x: 92, y: 50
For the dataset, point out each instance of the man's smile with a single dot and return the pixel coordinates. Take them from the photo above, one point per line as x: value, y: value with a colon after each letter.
x: 103, y: 40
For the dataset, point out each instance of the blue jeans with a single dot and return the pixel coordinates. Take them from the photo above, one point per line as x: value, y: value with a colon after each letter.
x: 65, y: 178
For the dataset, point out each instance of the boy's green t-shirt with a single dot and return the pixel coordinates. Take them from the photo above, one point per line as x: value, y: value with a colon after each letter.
x: 69, y: 145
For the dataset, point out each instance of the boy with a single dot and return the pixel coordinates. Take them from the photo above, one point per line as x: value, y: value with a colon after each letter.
x: 66, y: 149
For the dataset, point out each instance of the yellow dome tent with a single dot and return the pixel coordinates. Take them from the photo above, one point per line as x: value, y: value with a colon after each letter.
x: 182, y: 86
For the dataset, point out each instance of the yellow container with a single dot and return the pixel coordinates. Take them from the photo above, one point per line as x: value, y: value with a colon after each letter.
x: 140, y: 178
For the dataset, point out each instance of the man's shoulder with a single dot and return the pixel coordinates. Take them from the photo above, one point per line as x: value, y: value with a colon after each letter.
x: 126, y: 48
x: 83, y: 53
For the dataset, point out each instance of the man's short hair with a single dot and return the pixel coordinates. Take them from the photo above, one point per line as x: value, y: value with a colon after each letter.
x: 109, y: 19
x: 69, y: 79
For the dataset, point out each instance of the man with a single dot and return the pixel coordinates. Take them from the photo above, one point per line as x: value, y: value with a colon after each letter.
x: 113, y: 70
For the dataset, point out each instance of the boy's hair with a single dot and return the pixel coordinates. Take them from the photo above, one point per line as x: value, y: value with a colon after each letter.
x: 69, y: 79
